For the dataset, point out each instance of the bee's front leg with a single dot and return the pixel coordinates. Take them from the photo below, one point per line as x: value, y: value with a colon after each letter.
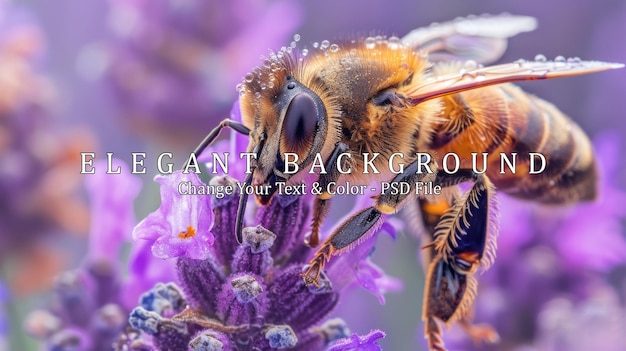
x: 464, y: 240
x: 358, y: 227
x: 210, y: 138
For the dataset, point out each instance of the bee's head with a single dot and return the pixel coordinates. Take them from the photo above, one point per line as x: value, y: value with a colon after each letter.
x: 288, y: 120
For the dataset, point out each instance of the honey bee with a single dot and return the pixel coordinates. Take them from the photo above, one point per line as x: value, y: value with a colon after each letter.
x: 425, y: 93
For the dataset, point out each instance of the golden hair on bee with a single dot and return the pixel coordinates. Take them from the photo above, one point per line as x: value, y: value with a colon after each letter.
x: 361, y: 84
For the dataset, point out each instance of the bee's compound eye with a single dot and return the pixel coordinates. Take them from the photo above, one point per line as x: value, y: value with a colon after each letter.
x: 301, y: 120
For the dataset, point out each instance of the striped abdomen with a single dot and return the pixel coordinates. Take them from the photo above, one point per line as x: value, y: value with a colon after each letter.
x: 504, y: 119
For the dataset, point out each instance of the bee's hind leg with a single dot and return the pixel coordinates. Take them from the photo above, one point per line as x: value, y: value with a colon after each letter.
x: 464, y: 240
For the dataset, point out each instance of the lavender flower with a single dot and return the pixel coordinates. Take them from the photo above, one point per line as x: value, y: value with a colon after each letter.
x: 180, y: 227
x: 248, y: 296
x: 549, y: 287
x: 89, y: 313
x: 359, y: 343
x: 165, y: 52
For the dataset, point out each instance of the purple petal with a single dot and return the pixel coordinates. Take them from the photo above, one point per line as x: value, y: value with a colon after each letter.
x: 181, y: 225
x: 145, y: 271
x: 373, y: 279
x: 359, y: 343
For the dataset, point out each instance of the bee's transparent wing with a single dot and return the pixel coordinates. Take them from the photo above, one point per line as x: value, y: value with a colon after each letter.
x: 482, y: 39
x: 521, y: 70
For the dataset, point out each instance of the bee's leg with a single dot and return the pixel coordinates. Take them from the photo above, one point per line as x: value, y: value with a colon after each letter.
x: 423, y: 218
x: 464, y: 239
x: 466, y: 235
x: 322, y: 201
x: 208, y: 140
x: 358, y: 227
x: 448, y: 296
x: 423, y: 215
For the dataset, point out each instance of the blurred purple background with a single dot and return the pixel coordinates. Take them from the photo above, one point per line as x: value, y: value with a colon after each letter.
x: 80, y: 57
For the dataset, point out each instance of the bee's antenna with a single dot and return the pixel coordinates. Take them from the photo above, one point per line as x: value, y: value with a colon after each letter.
x: 243, y: 198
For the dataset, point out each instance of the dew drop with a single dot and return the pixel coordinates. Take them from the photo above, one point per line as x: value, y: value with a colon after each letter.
x: 540, y: 58
x: 270, y: 85
x: 334, y: 48
x: 257, y: 95
x: 316, y: 45
x: 296, y: 37
x: 574, y: 60
x: 305, y: 52
x: 559, y: 59
x: 346, y: 63
x: 263, y: 86
x: 324, y: 45
x: 520, y: 62
x: 248, y: 77
x: 470, y: 65
x: 293, y: 44
x: 394, y: 43
x: 370, y: 43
